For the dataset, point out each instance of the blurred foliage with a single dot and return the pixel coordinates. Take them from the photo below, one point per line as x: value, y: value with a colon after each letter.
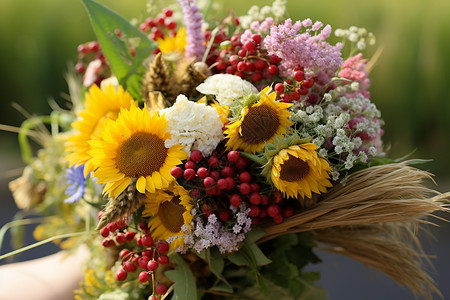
x: 39, y: 38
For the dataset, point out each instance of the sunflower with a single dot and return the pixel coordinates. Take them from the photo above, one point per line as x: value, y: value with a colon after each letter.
x: 258, y: 124
x: 170, y: 210
x: 176, y: 43
x: 133, y: 147
x: 297, y: 170
x: 101, y: 104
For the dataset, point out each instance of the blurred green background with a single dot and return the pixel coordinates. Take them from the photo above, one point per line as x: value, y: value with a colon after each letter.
x: 409, y: 83
x: 38, y: 39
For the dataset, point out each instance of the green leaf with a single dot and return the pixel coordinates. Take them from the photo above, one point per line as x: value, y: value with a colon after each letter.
x: 117, y: 50
x: 250, y: 254
x: 216, y: 265
x: 185, y: 287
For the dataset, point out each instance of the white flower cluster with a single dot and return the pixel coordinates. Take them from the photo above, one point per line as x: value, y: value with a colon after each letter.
x: 277, y: 11
x: 356, y: 35
x: 347, y: 129
x: 213, y: 233
x: 194, y: 125
x: 226, y: 88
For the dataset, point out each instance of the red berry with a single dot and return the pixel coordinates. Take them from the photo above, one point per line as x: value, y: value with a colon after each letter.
x: 143, y: 262
x: 308, y: 83
x: 255, y: 198
x: 112, y: 226
x: 117, y: 32
x: 147, y: 240
x: 287, y: 98
x: 171, y: 25
x: 139, y: 242
x: 255, y: 187
x: 250, y: 45
x: 241, y: 66
x: 121, y: 275
x: 82, y: 48
x: 80, y: 68
x: 196, y: 155
x: 295, y: 96
x: 263, y: 212
x: 240, y: 74
x: 190, y: 165
x: 257, y: 38
x: 231, y: 183
x: 163, y: 259
x: 299, y: 76
x: 143, y: 226
x: 196, y: 193
x: 279, y: 88
x: 249, y: 67
x: 143, y: 27
x: 303, y: 90
x: 189, y: 174
x: 209, y: 182
x: 241, y: 163
x: 222, y: 184
x: 277, y: 197
x: 224, y: 215
x: 161, y: 288
x: 148, y: 253
x: 107, y: 243
x: 167, y: 12
x: 278, y: 218
x: 272, y: 70
x: 215, y: 174
x: 160, y: 20
x: 234, y: 59
x: 176, y: 172
x: 242, y: 52
x: 233, y: 156
x: 213, y: 161
x: 94, y: 46
x: 129, y: 267
x: 125, y: 254
x: 162, y: 247
x: 120, y: 238
x: 245, y: 177
x: 221, y: 66
x: 254, y: 211
x: 212, y: 191
x: 202, y: 172
x: 256, y: 220
x: 144, y: 276
x: 274, y: 59
x: 230, y: 70
x: 245, y: 188
x: 257, y: 76
x: 227, y: 171
x: 152, y: 265
x: 130, y: 235
x: 265, y: 200
x: 273, y: 210
x: 150, y: 22
x: 260, y: 64
x: 288, y: 211
x: 104, y: 231
x: 236, y: 200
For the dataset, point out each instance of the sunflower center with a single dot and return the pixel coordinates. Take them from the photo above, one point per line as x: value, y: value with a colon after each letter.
x: 294, y: 169
x: 260, y: 124
x: 171, y: 214
x: 141, y: 155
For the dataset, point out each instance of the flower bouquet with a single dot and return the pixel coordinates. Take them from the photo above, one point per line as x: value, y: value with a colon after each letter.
x: 208, y: 158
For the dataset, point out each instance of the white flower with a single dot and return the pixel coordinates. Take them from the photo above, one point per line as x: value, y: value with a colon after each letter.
x: 226, y: 88
x: 194, y: 125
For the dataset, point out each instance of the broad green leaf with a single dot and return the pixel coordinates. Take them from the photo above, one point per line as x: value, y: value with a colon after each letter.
x: 216, y: 265
x: 250, y: 254
x: 117, y: 50
x: 185, y: 287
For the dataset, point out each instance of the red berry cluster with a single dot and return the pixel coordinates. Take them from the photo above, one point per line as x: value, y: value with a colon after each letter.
x: 88, y: 52
x: 249, y: 61
x: 157, y: 27
x: 293, y: 90
x: 225, y: 179
x: 273, y: 208
x: 115, y: 233
x: 148, y: 259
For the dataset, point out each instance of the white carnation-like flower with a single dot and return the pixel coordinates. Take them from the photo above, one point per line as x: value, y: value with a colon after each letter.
x: 194, y: 125
x: 226, y: 88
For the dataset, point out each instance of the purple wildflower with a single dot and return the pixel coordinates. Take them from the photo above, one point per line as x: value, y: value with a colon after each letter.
x: 193, y: 21
x: 301, y: 48
x: 77, y: 183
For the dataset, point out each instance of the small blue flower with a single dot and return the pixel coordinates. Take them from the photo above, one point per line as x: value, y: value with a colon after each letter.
x: 77, y: 183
